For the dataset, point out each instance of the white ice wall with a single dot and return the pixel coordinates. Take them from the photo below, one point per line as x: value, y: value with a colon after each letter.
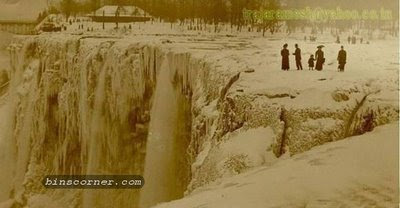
x: 81, y: 104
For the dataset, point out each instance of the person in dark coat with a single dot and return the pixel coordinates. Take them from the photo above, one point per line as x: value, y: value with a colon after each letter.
x: 342, y: 58
x: 319, y: 56
x: 354, y: 40
x: 285, y: 58
x: 311, y: 62
x: 338, y: 39
x: 297, y: 54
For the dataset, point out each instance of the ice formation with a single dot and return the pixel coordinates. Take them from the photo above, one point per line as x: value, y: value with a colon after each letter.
x: 160, y: 166
x: 87, y: 105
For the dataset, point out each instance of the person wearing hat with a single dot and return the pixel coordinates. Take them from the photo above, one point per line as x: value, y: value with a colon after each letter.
x: 285, y: 58
x: 297, y: 54
x: 342, y: 57
x: 319, y: 56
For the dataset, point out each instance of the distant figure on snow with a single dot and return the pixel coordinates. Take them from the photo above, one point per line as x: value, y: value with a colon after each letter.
x: 285, y: 58
x: 311, y: 62
x: 342, y: 57
x: 338, y: 39
x: 349, y: 39
x: 354, y: 40
x: 297, y: 55
x: 319, y: 56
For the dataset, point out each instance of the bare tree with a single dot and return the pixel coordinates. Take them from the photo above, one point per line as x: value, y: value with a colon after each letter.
x: 272, y: 23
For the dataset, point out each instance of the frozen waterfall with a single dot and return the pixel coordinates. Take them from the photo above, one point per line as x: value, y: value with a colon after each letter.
x: 160, y: 163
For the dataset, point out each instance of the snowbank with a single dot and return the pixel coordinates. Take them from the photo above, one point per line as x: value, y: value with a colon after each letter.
x: 361, y: 171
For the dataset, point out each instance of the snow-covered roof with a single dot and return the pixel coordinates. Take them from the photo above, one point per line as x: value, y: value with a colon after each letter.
x: 108, y: 10
x: 135, y: 11
x: 111, y: 10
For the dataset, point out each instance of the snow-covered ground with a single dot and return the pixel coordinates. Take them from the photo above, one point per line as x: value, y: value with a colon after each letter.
x: 243, y: 110
x: 361, y: 171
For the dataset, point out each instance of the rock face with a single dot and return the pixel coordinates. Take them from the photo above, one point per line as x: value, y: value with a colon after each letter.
x: 81, y: 105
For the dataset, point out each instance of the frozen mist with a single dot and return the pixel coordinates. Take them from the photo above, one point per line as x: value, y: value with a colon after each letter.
x: 193, y: 114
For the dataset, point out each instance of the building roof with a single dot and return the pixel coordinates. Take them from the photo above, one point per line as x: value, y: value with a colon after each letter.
x: 135, y: 11
x: 111, y: 10
x: 108, y: 10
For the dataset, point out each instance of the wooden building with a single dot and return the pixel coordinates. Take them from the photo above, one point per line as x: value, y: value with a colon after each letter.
x: 113, y: 13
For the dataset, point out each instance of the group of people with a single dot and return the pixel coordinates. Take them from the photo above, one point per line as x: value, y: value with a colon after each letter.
x: 319, y: 58
x: 353, y: 40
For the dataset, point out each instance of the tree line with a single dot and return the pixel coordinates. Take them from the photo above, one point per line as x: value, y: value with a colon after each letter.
x: 193, y: 12
x: 196, y: 13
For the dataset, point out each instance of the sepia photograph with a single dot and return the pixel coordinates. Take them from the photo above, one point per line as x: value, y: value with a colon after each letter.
x: 199, y: 104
